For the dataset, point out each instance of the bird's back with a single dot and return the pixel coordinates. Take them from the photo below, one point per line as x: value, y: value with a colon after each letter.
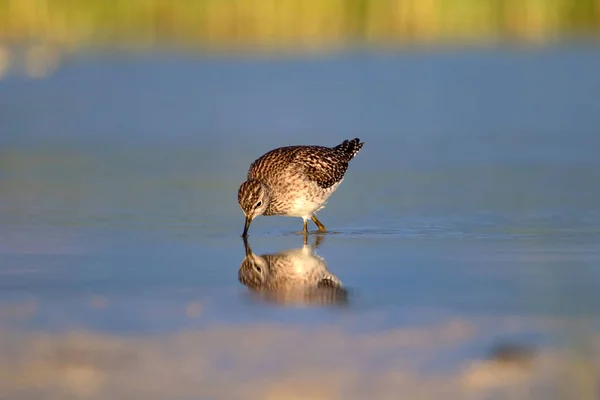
x: 325, y: 166
x: 273, y: 162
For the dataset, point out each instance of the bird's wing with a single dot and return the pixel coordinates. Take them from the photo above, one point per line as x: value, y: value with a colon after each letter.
x: 322, y: 165
x: 272, y: 162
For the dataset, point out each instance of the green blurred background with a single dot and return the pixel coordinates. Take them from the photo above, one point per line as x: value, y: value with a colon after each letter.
x: 285, y: 23
x: 51, y: 29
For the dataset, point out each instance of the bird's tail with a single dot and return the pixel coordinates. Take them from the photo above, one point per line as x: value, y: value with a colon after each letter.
x: 350, y: 147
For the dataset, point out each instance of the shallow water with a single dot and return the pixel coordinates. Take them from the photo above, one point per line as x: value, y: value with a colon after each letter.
x: 470, y: 218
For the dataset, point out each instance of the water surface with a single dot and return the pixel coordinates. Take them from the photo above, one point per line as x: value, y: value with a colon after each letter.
x: 470, y: 218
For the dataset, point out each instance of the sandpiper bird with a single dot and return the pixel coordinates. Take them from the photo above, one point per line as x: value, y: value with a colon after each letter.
x: 295, y: 181
x: 296, y: 276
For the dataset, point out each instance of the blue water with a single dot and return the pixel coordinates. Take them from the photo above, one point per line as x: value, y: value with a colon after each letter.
x: 475, y: 196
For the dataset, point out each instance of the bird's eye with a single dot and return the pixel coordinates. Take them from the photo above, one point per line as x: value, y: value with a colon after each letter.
x: 258, y: 204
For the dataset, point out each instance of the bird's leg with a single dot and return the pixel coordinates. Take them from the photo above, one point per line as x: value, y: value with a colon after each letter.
x: 318, y: 241
x: 305, y: 239
x: 305, y: 230
x: 318, y: 223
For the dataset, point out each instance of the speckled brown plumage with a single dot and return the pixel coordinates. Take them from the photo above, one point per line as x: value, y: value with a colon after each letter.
x: 325, y: 166
x: 295, y: 180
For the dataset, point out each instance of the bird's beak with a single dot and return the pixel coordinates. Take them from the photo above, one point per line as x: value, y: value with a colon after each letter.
x: 247, y: 247
x: 246, y: 226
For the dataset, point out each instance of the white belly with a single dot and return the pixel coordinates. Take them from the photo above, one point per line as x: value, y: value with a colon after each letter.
x: 304, y: 207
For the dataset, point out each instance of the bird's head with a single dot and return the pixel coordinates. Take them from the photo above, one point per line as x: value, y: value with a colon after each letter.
x: 254, y: 269
x: 254, y: 197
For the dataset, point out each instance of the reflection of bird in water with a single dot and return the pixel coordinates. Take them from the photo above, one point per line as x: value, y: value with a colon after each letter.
x: 296, y: 276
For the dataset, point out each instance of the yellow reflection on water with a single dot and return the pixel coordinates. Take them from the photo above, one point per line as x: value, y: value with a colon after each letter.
x: 276, y: 361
